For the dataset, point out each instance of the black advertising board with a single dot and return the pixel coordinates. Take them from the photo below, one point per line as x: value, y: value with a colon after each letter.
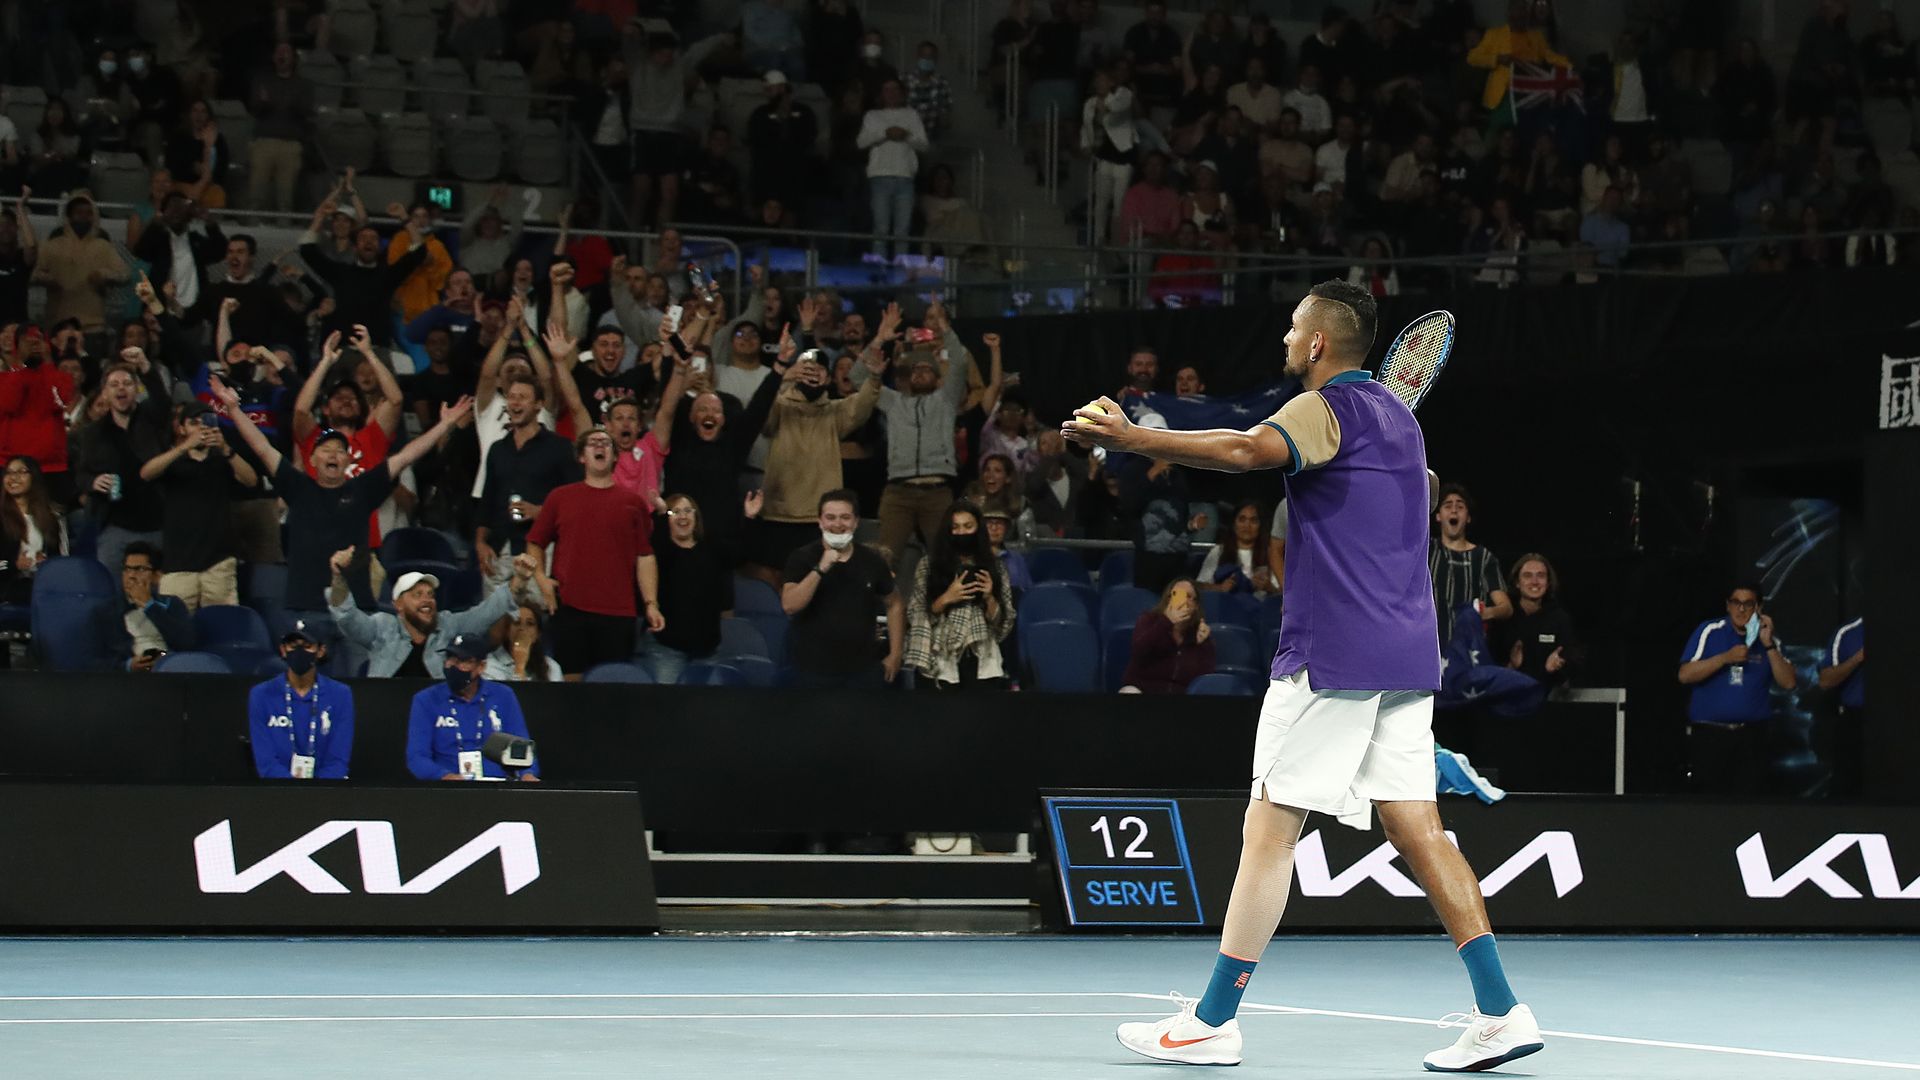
x: 1545, y: 863
x: 324, y: 857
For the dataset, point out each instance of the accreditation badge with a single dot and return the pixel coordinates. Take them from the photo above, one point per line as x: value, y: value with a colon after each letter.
x: 302, y: 767
x: 470, y: 767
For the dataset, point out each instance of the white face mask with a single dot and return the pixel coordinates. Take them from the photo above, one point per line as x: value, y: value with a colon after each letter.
x: 870, y: 50
x: 837, y: 541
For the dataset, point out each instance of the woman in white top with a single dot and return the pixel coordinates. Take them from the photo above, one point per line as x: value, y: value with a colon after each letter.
x: 522, y: 653
x: 1238, y: 563
x: 31, y: 529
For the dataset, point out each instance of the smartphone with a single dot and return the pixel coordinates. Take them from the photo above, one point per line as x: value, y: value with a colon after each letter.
x: 211, y: 420
x: 698, y: 365
x: 673, y: 318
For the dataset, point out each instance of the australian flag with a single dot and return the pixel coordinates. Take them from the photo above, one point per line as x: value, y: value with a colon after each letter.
x: 1200, y: 411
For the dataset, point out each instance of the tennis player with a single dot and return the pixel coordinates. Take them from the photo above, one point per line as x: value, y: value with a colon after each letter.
x: 1347, y: 725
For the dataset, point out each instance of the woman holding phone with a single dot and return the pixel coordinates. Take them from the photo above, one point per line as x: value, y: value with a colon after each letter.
x: 961, y: 609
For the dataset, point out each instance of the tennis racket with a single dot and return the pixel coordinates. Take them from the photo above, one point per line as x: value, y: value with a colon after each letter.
x: 1417, y: 357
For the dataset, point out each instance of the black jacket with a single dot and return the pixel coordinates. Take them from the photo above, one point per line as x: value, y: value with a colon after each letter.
x: 156, y: 247
x: 362, y: 294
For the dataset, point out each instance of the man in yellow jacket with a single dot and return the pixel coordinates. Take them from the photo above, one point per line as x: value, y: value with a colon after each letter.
x: 1501, y: 46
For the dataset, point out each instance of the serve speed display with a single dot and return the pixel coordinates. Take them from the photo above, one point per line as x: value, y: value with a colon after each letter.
x: 1122, y: 861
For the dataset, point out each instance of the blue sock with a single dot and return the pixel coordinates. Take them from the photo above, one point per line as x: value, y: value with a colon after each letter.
x: 1491, y: 994
x: 1222, y: 999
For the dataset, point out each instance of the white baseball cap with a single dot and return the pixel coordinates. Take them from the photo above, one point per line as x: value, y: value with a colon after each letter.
x: 411, y: 578
x: 776, y: 77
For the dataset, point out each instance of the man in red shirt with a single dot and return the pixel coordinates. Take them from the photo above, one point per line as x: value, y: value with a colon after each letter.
x: 34, y: 398
x: 369, y: 438
x: 603, y: 532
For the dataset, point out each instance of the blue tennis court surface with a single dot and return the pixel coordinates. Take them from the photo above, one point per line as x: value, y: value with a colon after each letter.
x: 927, y: 1008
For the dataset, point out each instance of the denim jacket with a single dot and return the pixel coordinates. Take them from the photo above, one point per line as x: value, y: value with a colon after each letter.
x: 388, y: 644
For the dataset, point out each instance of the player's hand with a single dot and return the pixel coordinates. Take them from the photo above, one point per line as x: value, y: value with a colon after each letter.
x: 1091, y: 427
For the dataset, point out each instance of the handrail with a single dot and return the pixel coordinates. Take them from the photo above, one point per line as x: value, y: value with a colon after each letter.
x: 410, y: 86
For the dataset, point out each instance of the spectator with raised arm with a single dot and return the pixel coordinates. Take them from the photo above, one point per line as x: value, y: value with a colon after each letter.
x: 261, y: 318
x: 419, y: 289
x: 198, y: 157
x: 835, y: 590
x: 76, y: 265
x: 1732, y: 663
x: 109, y: 452
x: 601, y: 536
x: 1172, y: 644
x: 643, y: 447
x: 412, y: 641
x: 329, y: 509
x: 806, y: 425
x: 449, y: 724
x: 712, y: 439
x: 35, y: 393
x: 960, y: 609
x: 363, y: 289
x: 314, y: 712
x: 920, y: 417
x: 179, y: 246
x: 196, y: 480
x: 366, y: 428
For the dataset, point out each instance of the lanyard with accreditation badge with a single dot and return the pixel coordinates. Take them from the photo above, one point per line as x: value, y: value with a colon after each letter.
x: 470, y: 764
x: 301, y: 765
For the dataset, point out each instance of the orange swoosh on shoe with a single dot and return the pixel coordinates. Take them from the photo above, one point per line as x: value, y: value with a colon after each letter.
x: 1175, y: 1044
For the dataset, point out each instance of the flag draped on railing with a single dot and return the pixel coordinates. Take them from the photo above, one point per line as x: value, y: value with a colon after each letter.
x: 1536, y: 85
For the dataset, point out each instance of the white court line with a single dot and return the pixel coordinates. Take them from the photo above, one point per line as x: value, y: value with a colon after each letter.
x: 1268, y: 1009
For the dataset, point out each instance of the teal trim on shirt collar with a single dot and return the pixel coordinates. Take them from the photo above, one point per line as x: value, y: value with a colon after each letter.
x: 1356, y: 375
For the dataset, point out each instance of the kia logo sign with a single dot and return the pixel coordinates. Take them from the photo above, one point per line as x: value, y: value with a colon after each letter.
x: 1555, y: 848
x: 379, y: 860
x: 1756, y: 873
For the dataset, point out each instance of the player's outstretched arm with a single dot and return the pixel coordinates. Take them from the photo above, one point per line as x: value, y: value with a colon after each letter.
x: 1101, y: 423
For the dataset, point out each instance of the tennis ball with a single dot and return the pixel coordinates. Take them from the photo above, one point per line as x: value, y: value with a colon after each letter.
x: 1091, y: 406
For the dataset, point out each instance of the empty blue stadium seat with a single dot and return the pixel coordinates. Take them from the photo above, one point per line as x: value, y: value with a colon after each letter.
x: 1065, y: 657
x: 759, y: 671
x: 709, y: 673
x: 75, y: 612
x: 752, y: 594
x: 1123, y: 606
x: 1235, y: 646
x: 1269, y: 614
x: 1219, y: 684
x: 192, y: 663
x: 618, y: 672
x: 1240, y: 609
x: 1116, y: 570
x: 773, y: 629
x: 740, y: 637
x: 263, y: 587
x: 238, y: 635
x: 1052, y: 600
x: 1117, y: 649
x: 1056, y: 564
x: 416, y: 544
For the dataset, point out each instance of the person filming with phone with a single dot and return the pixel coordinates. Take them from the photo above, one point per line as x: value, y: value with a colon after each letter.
x: 960, y: 610
x: 198, y: 478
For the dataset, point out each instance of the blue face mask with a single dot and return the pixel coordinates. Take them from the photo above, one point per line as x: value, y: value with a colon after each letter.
x: 458, y: 679
x: 926, y: 65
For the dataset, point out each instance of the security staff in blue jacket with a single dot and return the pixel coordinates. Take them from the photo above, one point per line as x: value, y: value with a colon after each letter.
x: 302, y: 722
x: 450, y: 723
x: 1732, y: 663
x: 1843, y: 669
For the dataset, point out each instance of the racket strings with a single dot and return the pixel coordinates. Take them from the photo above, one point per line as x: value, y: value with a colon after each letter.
x: 1416, y: 356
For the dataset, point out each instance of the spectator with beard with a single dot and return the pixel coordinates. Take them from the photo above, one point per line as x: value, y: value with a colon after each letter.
x: 696, y: 588
x: 109, y: 452
x: 328, y: 510
x: 522, y: 470
x: 643, y: 448
x: 602, y: 548
x: 960, y: 609
x: 412, y: 641
x: 197, y: 480
x: 806, y: 426
x: 363, y: 289
x: 920, y: 418
x: 1539, y: 640
x: 834, y: 592
x: 521, y: 655
x: 601, y: 381
x: 315, y: 712
x: 1143, y: 374
x: 449, y: 724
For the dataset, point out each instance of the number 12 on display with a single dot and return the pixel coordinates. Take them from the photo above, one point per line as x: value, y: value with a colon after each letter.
x: 1134, y: 850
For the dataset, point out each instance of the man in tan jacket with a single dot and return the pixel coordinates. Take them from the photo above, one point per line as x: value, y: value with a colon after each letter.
x: 77, y: 263
x: 806, y: 426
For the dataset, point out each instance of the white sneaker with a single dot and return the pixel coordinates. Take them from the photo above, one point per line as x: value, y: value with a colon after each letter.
x: 1184, y: 1038
x: 1488, y: 1041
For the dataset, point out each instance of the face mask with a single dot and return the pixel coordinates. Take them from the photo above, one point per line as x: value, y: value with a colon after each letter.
x: 81, y: 228
x: 812, y: 393
x: 240, y: 373
x: 1753, y: 628
x: 870, y: 51
x: 836, y: 541
x: 108, y: 67
x: 962, y: 538
x: 301, y: 661
x: 137, y: 65
x: 926, y: 65
x: 458, y: 679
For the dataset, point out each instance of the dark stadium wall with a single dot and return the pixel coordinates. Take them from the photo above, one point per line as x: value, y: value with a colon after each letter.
x: 1892, y: 596
x: 1556, y: 402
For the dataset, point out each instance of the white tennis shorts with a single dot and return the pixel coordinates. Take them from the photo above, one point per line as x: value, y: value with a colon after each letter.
x: 1340, y: 751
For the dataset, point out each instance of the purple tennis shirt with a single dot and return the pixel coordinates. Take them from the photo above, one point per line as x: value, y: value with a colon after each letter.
x: 1359, y: 599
